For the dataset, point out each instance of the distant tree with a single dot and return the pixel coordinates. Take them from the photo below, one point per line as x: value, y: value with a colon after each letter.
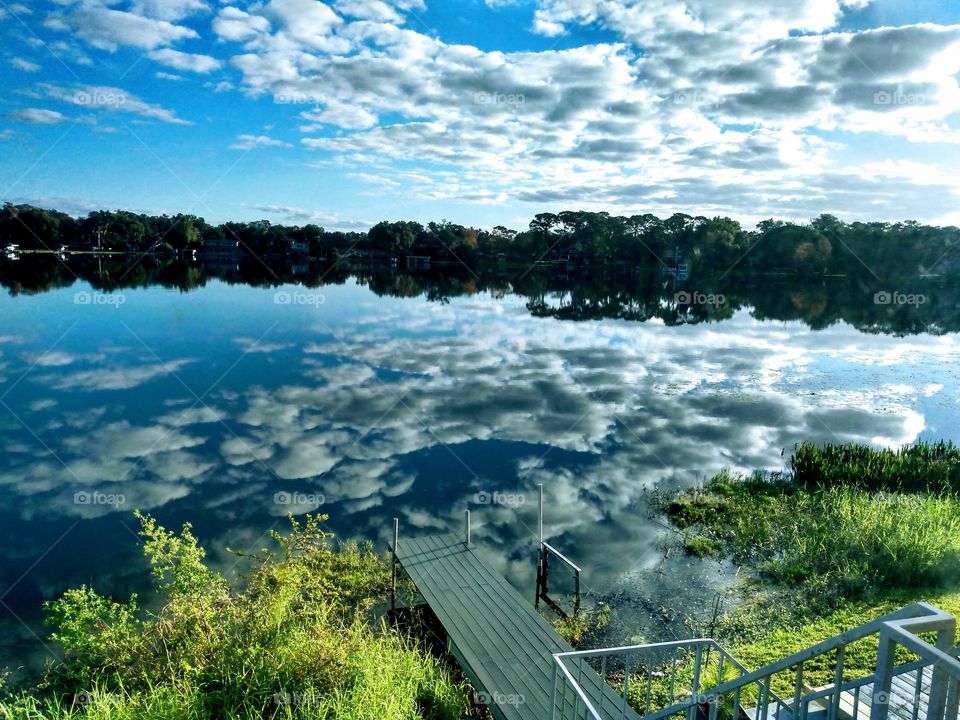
x: 183, y: 234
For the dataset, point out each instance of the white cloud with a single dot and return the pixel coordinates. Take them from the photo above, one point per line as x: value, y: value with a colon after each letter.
x: 112, y: 378
x: 374, y: 10
x: 249, y: 142
x: 185, y: 61
x: 171, y: 10
x: 102, y: 98
x: 37, y: 116
x: 234, y: 24
x: 108, y: 29
x: 299, y: 215
x: 25, y: 65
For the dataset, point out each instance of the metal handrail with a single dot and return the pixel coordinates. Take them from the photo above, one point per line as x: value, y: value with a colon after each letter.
x: 699, y: 645
x: 895, y: 628
x: 562, y: 557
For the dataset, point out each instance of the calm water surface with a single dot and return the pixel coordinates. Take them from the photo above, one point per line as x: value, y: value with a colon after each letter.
x: 230, y: 409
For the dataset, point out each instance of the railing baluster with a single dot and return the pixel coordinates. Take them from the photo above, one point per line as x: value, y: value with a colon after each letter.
x: 673, y: 676
x: 646, y: 703
x: 797, y: 690
x: 765, y: 698
x: 736, y: 703
x: 626, y: 685
x: 576, y: 708
x: 883, y: 677
x: 553, y: 691
x: 856, y: 702
x: 695, y: 688
x: 837, y: 682
x: 917, y: 693
x: 953, y: 698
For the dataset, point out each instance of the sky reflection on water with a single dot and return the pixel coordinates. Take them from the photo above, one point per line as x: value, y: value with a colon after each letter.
x: 229, y: 410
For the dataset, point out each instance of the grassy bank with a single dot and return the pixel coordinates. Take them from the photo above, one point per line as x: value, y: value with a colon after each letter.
x: 296, y: 641
x: 848, y: 534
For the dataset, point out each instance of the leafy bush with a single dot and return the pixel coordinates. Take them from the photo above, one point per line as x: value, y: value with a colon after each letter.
x: 294, y: 642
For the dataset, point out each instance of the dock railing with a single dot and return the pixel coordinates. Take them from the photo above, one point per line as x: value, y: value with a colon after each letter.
x: 705, y: 691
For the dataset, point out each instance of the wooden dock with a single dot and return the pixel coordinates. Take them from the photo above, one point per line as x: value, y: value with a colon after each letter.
x: 503, y: 645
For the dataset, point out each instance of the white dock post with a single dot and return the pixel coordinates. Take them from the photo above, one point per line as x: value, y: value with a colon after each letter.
x: 468, y: 528
x: 540, y: 486
x: 393, y: 576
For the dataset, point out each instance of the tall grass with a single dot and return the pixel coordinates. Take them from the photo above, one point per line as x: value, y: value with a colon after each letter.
x: 913, y: 468
x: 294, y: 642
x: 830, y: 542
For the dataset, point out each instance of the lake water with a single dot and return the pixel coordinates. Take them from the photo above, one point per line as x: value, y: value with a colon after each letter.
x: 230, y: 406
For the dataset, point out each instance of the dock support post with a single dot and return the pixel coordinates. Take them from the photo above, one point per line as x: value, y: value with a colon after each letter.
x: 576, y: 596
x: 540, y: 487
x: 468, y: 528
x: 541, y: 555
x: 393, y: 576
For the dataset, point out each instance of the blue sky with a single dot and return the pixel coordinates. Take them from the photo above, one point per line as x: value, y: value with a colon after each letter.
x: 482, y: 111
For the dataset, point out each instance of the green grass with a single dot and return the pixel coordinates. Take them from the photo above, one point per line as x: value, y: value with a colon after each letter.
x: 850, y: 534
x: 913, y: 468
x: 574, y: 628
x: 295, y: 641
x: 828, y: 543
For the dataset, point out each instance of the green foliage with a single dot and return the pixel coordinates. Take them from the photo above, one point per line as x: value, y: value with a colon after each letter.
x: 575, y: 628
x: 913, y: 468
x: 711, y: 675
x: 829, y: 542
x: 852, y: 534
x: 699, y: 546
x: 294, y: 642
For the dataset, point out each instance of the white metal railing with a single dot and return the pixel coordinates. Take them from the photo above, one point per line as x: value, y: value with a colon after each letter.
x: 644, y: 663
x: 625, y: 665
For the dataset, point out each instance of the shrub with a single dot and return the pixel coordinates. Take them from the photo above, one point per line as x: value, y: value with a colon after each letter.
x: 294, y: 642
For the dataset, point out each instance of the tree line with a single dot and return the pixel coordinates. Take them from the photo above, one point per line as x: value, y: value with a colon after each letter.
x: 824, y: 246
x: 548, y: 291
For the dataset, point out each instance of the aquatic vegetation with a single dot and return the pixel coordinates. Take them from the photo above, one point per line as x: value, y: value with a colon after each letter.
x: 575, y: 628
x: 912, y: 468
x: 830, y: 542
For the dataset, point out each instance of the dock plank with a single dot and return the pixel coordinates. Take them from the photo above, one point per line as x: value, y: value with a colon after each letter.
x: 503, y: 645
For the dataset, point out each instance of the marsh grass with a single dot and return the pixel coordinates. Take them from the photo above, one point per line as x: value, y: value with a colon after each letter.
x: 923, y: 467
x: 295, y: 642
x: 850, y: 534
x: 829, y: 543
x: 575, y: 628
